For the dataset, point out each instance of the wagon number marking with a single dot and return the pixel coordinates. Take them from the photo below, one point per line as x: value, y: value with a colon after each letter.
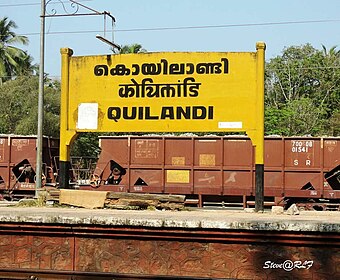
x: 301, y: 146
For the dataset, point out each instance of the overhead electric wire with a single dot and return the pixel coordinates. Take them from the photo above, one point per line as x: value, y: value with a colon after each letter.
x: 188, y: 27
x: 230, y: 25
x: 36, y: 4
x: 272, y: 69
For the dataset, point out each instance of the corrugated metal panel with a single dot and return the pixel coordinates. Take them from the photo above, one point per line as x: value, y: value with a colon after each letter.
x: 18, y: 161
x: 294, y: 166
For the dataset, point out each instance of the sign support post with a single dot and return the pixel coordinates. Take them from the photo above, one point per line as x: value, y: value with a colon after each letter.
x: 257, y: 134
x: 67, y: 135
x: 259, y: 156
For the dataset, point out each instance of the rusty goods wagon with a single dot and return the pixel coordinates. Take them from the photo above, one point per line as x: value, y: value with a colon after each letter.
x: 18, y: 164
x: 210, y: 169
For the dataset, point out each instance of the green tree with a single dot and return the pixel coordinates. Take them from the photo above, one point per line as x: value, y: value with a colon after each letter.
x: 334, y: 124
x: 19, y: 107
x: 329, y: 90
x: 13, y: 60
x: 302, y: 91
x: 86, y: 144
x: 290, y: 76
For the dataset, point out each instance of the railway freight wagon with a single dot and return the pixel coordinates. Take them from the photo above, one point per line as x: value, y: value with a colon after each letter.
x: 18, y: 164
x: 211, y: 170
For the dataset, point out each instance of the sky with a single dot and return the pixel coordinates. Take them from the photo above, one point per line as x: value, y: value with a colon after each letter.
x: 176, y: 25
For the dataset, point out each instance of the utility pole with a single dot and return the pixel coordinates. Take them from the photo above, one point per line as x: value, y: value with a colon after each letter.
x: 40, y: 101
x: 74, y: 5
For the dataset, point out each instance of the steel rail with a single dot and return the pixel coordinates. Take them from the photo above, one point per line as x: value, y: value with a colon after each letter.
x: 37, y: 274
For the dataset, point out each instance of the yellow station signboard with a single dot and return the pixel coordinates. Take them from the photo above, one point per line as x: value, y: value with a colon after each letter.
x: 163, y: 92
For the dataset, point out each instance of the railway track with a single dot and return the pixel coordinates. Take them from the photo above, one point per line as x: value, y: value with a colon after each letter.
x: 29, y: 274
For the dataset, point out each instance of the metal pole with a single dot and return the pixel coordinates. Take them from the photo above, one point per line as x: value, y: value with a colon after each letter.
x: 40, y: 101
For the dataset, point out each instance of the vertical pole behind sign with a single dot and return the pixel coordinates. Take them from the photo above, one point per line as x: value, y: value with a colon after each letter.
x: 66, y: 135
x: 39, y: 162
x: 259, y: 151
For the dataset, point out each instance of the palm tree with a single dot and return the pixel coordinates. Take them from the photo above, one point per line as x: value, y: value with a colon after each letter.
x: 133, y: 48
x: 12, y: 59
x: 332, y: 52
x: 26, y: 66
